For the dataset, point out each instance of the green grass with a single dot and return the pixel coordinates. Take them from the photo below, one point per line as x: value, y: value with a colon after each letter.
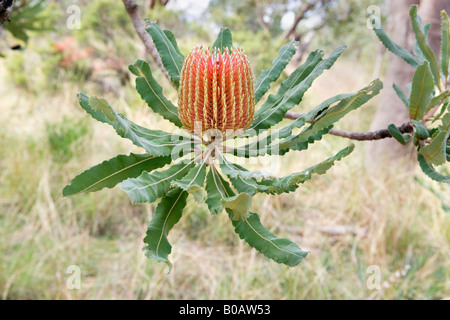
x: 349, y: 219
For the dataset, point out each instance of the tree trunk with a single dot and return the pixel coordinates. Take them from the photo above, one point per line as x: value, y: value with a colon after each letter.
x: 391, y: 109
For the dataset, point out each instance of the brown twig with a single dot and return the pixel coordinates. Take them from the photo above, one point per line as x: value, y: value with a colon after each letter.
x: 360, y: 136
x: 132, y: 9
x: 299, y: 16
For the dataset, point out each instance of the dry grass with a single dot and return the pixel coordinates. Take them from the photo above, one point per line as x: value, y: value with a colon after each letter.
x: 348, y: 219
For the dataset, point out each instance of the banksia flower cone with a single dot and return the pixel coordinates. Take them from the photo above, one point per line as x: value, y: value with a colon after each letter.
x: 216, y: 90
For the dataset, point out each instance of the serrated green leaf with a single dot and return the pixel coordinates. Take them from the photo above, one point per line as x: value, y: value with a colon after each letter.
x: 430, y: 171
x: 217, y: 188
x: 169, y: 34
x: 251, y: 230
x: 263, y: 145
x: 155, y: 142
x: 238, y: 205
x: 421, y: 132
x: 293, y: 96
x: 445, y: 126
x: 242, y: 179
x: 392, y: 46
x: 193, y: 181
x: 441, y: 112
x: 416, y: 50
x: 252, y: 181
x: 324, y: 122
x: 113, y: 171
x: 249, y: 186
x: 401, y: 95
x: 224, y: 40
x: 397, y: 135
x: 435, y: 151
x: 270, y: 75
x: 152, y: 93
x: 422, y: 88
x: 233, y: 170
x: 171, y: 56
x: 167, y: 214
x: 280, y: 250
x: 291, y: 182
x: 424, y: 46
x: 445, y: 43
x: 297, y: 76
x: 148, y: 187
x: 437, y: 100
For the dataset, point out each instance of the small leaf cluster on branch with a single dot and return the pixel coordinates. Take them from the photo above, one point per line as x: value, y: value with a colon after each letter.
x: 427, y: 100
x: 222, y: 116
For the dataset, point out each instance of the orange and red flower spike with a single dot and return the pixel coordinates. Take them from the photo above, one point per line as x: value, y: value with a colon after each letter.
x: 216, y: 90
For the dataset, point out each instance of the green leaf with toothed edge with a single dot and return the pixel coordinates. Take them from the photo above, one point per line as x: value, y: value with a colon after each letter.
x: 238, y: 205
x: 445, y: 43
x: 152, y: 93
x: 291, y: 182
x: 193, y: 181
x: 392, y: 46
x: 435, y: 151
x: 420, y: 131
x: 113, y: 171
x: 270, y: 75
x: 264, y: 145
x: 421, y: 91
x: 437, y: 100
x: 233, y: 171
x: 401, y: 95
x: 297, y: 76
x: 324, y: 122
x: 252, y: 182
x: 275, y: 113
x: 217, y: 188
x: 289, y: 93
x: 224, y: 40
x: 424, y: 46
x: 280, y: 250
x: 241, y: 178
x: 416, y: 50
x: 168, y: 50
x: 444, y: 108
x: 250, y: 229
x: 397, y: 135
x: 430, y: 171
x: 167, y: 214
x: 148, y: 187
x: 155, y: 142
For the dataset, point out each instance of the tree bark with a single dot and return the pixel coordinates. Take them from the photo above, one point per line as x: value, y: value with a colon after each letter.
x: 132, y: 9
x: 391, y: 109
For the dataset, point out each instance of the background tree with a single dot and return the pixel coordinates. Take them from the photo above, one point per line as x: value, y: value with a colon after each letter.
x: 391, y: 109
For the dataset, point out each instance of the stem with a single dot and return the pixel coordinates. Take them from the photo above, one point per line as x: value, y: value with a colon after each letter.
x: 360, y: 136
x: 132, y: 9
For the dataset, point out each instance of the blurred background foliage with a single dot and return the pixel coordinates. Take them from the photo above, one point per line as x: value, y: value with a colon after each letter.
x: 107, y: 43
x: 349, y: 219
